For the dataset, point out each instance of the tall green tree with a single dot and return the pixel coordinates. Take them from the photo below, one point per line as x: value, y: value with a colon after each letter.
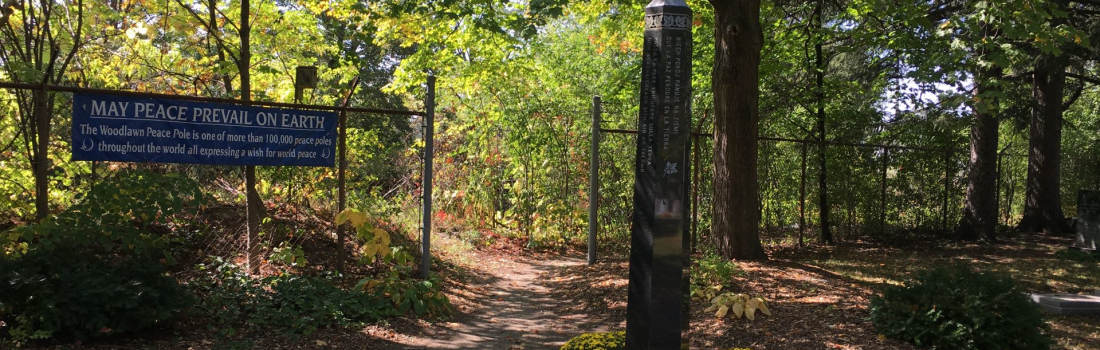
x: 1063, y: 43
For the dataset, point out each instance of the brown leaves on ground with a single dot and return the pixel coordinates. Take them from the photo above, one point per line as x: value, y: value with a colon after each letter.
x: 812, y: 308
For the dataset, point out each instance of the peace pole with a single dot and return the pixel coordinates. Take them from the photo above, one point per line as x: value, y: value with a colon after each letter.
x: 657, y: 304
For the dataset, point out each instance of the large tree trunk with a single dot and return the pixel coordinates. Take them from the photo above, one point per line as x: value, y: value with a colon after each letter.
x: 980, y: 210
x: 738, y: 40
x: 819, y: 94
x: 1043, y: 204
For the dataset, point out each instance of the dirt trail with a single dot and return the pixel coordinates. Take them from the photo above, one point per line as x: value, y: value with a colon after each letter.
x: 515, y: 310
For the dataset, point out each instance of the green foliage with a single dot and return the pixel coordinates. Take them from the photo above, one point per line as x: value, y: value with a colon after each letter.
x: 123, y: 214
x: 597, y: 341
x: 290, y: 304
x: 99, y: 267
x: 711, y: 275
x: 64, y: 294
x: 957, y: 308
x: 405, y: 292
x: 289, y: 255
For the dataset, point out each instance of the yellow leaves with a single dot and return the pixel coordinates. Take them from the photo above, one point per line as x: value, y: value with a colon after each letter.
x: 376, y: 241
x: 357, y: 218
x: 723, y: 310
x: 945, y: 24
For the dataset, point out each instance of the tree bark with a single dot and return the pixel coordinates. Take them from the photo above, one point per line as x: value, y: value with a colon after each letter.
x: 1043, y: 201
x: 40, y: 101
x: 980, y: 209
x: 736, y: 210
x: 254, y: 204
x: 819, y: 95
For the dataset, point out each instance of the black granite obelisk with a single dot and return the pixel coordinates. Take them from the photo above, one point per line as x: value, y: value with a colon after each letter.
x: 656, y: 306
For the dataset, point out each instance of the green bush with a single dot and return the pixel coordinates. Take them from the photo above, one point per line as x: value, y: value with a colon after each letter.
x: 121, y: 216
x: 956, y: 308
x: 424, y: 297
x: 288, y: 303
x: 67, y: 295
x: 597, y: 341
x: 97, y: 268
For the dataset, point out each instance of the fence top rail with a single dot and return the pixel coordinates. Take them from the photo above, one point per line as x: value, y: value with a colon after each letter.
x: 810, y: 141
x: 73, y: 89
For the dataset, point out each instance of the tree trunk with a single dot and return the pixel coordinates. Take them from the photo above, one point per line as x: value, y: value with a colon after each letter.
x: 1043, y: 202
x: 819, y: 94
x: 40, y: 101
x: 738, y: 40
x: 980, y: 210
x: 253, y: 202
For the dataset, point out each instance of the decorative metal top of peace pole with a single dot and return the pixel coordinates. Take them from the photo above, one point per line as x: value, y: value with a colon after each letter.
x: 657, y: 304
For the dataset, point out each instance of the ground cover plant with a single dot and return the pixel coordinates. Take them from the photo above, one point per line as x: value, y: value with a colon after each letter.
x: 955, y: 307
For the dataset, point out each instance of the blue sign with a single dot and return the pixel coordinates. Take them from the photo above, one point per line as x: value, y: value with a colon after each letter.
x: 156, y: 130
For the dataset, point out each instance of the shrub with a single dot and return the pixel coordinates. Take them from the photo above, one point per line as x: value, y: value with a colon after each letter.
x: 597, y: 341
x: 120, y: 216
x: 424, y: 297
x: 956, y: 308
x: 98, y: 268
x: 68, y: 295
x: 288, y: 303
x: 711, y: 275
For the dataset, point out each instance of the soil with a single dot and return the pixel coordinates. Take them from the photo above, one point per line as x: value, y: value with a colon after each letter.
x: 508, y: 304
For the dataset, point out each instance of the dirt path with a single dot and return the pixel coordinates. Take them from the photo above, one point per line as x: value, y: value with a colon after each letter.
x: 510, y: 307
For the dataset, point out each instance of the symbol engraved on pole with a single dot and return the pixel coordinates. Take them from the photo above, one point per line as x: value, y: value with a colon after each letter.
x: 657, y: 305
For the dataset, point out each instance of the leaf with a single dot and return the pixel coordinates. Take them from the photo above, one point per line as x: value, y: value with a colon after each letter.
x: 722, y: 311
x: 382, y: 236
x: 370, y: 249
x: 750, y: 313
x: 320, y: 343
x: 764, y: 308
x: 738, y: 309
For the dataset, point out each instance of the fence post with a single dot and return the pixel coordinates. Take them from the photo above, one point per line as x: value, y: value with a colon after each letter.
x: 594, y: 181
x: 429, y: 133
x: 882, y: 200
x: 802, y: 198
x: 946, y: 187
x: 342, y: 197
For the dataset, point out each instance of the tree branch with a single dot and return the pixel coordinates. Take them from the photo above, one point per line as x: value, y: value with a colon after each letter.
x: 1087, y: 79
x: 211, y: 30
x: 1073, y: 98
